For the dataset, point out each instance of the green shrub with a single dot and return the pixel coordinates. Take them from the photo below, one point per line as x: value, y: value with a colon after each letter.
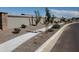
x: 56, y: 26
x: 23, y: 26
x: 50, y: 30
x: 16, y: 30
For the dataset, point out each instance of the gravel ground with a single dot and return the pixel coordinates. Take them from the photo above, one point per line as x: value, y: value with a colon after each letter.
x: 35, y: 42
x: 7, y: 35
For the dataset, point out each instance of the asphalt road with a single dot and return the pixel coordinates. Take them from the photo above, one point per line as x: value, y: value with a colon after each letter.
x: 69, y: 40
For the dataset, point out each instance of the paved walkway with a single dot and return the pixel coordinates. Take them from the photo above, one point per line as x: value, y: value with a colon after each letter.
x: 14, y: 43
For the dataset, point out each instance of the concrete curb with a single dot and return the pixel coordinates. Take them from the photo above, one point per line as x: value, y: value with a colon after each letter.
x: 49, y: 44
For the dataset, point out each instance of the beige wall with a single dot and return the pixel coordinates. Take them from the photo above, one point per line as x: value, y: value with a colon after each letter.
x: 14, y: 22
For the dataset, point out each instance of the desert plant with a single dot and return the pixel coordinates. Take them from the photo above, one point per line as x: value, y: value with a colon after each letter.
x: 63, y: 19
x: 69, y: 20
x: 52, y: 19
x: 72, y: 18
x: 38, y: 17
x: 77, y: 18
x: 50, y: 30
x: 47, y: 18
x: 23, y: 26
x: 16, y: 30
x: 55, y: 22
x: 56, y: 26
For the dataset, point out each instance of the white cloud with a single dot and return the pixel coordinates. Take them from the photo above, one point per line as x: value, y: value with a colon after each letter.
x: 65, y: 13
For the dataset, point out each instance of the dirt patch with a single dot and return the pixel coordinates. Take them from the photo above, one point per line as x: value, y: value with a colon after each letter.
x: 35, y: 42
x: 7, y: 35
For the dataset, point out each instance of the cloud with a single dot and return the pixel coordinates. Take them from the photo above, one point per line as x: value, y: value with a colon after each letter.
x: 65, y: 13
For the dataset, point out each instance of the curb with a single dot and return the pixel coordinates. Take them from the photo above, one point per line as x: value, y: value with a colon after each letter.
x: 49, y: 44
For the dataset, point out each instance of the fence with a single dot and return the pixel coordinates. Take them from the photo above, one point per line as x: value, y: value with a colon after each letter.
x: 13, y: 21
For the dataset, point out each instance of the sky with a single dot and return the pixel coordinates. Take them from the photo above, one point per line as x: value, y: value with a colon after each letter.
x: 57, y: 11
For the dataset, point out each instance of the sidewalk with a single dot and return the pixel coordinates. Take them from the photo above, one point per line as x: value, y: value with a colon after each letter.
x: 12, y: 44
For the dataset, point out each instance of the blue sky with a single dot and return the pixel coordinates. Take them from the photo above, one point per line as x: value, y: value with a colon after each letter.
x: 58, y: 11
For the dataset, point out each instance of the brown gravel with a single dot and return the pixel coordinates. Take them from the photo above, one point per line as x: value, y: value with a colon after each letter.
x: 7, y: 35
x: 35, y: 42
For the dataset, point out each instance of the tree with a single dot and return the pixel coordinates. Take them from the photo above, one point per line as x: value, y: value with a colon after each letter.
x: 62, y: 19
x: 48, y: 16
x: 52, y: 19
x: 38, y: 17
x: 77, y: 18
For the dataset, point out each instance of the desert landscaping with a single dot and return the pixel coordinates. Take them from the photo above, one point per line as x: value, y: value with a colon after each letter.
x: 29, y: 32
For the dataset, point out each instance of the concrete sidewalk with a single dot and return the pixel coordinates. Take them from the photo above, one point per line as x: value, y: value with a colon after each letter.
x: 12, y: 44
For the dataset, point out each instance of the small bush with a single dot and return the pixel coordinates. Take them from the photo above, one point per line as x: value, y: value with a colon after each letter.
x: 33, y: 24
x: 16, y: 30
x: 55, y: 22
x: 50, y: 30
x: 23, y: 26
x: 56, y: 26
x: 28, y: 30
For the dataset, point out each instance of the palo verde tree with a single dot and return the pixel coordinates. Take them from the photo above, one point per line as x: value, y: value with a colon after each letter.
x: 38, y: 17
x: 47, y: 18
x: 52, y: 19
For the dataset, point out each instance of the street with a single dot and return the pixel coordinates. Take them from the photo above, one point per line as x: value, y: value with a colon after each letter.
x: 69, y: 40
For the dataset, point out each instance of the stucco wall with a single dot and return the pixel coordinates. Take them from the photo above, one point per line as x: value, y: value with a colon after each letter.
x: 17, y: 21
x: 14, y: 22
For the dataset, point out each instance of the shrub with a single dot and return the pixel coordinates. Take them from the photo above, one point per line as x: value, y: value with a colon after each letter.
x: 16, y: 30
x: 37, y: 16
x: 33, y: 24
x: 56, y: 26
x: 50, y: 30
x: 23, y: 26
x: 69, y: 21
x: 55, y: 22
